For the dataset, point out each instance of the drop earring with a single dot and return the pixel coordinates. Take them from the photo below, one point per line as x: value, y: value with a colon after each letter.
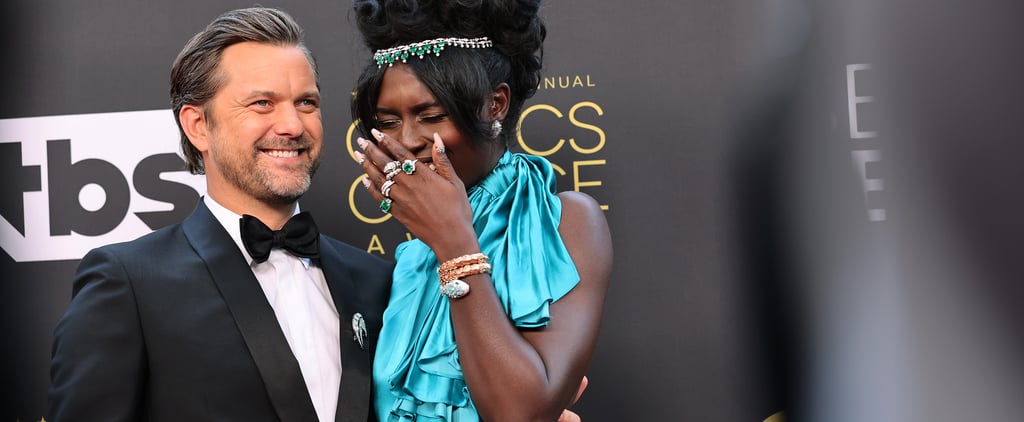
x: 495, y: 128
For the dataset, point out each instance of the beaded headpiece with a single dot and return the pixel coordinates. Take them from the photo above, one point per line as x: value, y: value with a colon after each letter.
x: 419, y: 49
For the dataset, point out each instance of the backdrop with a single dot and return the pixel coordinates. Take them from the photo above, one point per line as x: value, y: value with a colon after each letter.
x: 736, y: 147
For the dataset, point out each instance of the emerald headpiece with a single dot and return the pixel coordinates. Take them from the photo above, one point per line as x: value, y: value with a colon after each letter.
x: 422, y: 48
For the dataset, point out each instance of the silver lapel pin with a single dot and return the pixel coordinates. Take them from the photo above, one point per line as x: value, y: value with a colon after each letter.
x: 359, y: 327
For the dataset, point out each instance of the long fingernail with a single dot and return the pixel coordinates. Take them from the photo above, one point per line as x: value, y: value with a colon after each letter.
x: 362, y: 142
x: 366, y: 182
x: 360, y: 157
x: 438, y: 144
x: 378, y: 134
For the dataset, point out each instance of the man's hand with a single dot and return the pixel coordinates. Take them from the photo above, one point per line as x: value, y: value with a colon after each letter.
x: 568, y: 415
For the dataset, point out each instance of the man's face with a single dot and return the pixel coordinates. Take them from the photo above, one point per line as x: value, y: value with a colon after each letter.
x: 265, y: 131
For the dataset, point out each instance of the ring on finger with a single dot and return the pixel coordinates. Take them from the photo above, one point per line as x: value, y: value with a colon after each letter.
x: 385, y: 205
x: 391, y: 174
x: 391, y: 166
x: 385, y: 189
x: 409, y: 166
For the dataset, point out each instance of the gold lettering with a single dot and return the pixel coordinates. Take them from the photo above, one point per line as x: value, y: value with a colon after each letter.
x: 558, y: 169
x: 375, y: 245
x: 519, y: 132
x: 577, y: 184
x: 348, y: 140
x: 356, y: 185
x: 577, y: 123
x: 566, y: 82
x: 408, y: 236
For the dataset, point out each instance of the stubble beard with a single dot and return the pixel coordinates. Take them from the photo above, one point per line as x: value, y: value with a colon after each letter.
x: 276, y: 191
x: 260, y: 182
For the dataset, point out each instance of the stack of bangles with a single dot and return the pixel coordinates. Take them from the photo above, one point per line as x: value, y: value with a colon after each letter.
x: 452, y: 271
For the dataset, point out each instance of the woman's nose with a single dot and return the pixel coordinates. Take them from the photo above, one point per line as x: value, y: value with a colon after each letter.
x: 413, y: 138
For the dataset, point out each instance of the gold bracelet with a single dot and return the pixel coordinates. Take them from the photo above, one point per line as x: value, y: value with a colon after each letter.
x: 452, y: 271
x: 464, y: 271
x: 473, y: 258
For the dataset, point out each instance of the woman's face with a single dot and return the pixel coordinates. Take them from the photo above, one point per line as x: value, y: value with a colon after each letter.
x: 409, y: 112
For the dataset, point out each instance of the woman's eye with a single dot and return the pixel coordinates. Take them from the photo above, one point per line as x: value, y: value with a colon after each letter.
x: 387, y: 124
x: 434, y: 118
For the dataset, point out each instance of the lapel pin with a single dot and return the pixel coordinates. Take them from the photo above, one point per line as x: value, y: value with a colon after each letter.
x: 359, y: 327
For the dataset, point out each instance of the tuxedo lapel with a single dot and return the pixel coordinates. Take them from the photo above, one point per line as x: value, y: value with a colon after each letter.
x: 253, y: 315
x: 354, y: 394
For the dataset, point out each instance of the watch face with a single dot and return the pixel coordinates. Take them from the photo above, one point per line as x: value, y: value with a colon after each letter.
x: 455, y: 289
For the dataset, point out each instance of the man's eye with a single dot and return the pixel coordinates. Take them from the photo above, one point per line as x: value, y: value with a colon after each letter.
x: 261, y: 103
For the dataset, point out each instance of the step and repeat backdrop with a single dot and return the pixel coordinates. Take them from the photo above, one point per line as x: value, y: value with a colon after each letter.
x: 802, y: 197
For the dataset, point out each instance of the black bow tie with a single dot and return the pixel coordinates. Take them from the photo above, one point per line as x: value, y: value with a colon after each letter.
x: 298, y: 236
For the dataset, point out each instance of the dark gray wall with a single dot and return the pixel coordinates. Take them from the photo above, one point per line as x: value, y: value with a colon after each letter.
x: 663, y: 75
x: 750, y: 275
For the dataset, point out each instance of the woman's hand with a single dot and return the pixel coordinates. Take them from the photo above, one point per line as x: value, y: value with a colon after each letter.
x: 432, y: 206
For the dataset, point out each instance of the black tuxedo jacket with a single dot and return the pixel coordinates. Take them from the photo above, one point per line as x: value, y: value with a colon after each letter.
x: 173, y: 326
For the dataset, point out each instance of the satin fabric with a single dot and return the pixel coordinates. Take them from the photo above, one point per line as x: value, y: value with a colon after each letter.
x: 515, y: 214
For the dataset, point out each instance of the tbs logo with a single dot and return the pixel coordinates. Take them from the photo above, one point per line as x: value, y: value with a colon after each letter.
x: 72, y: 183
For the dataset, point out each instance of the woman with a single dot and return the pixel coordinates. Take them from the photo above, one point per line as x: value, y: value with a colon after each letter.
x: 496, y: 305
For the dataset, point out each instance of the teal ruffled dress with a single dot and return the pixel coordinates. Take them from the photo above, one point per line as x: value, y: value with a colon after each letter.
x: 516, y: 213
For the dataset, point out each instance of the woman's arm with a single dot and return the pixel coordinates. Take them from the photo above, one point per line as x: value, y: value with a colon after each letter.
x: 511, y: 374
x: 533, y: 374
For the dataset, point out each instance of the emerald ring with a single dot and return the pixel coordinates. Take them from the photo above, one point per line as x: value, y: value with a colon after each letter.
x: 409, y: 166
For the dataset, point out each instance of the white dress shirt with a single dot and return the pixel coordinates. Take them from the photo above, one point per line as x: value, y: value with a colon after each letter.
x: 298, y: 293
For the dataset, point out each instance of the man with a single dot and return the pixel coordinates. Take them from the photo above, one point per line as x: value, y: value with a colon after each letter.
x: 191, y: 322
x: 197, y: 321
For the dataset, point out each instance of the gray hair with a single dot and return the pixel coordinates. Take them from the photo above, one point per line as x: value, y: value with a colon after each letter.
x: 194, y: 75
